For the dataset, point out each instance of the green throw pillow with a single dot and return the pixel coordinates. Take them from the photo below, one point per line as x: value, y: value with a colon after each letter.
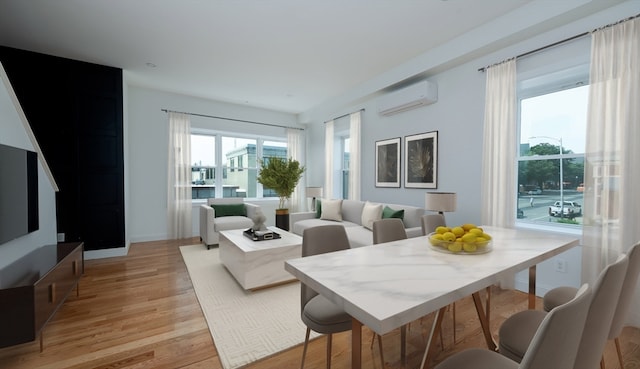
x: 390, y: 213
x: 226, y: 210
x: 318, y: 208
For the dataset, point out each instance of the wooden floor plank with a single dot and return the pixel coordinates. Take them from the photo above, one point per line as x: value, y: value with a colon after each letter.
x: 140, y: 312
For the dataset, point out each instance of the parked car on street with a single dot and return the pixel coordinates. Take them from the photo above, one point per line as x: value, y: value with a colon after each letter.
x: 536, y: 191
x: 571, y: 209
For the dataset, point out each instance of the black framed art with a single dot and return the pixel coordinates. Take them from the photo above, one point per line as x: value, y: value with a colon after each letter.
x: 421, y: 160
x: 388, y: 163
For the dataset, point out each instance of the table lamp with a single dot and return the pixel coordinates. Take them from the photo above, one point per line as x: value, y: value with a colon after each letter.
x: 440, y: 202
x: 314, y: 192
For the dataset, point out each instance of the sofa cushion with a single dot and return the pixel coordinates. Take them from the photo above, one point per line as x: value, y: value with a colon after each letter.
x: 352, y: 211
x: 232, y: 222
x: 332, y: 210
x: 299, y: 227
x: 318, y: 208
x: 359, y: 236
x: 392, y: 213
x: 370, y: 213
x: 226, y: 210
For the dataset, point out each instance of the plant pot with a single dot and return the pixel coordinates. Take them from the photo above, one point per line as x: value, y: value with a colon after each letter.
x: 282, y: 219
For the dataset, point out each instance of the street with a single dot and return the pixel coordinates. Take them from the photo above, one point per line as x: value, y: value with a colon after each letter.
x: 539, y: 211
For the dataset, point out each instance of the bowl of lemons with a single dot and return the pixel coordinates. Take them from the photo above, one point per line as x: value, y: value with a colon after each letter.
x: 464, y: 239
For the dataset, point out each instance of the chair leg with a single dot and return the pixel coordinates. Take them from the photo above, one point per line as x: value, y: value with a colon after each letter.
x: 617, y: 341
x: 329, y: 350
x: 381, y: 351
x: 602, y: 362
x: 304, y: 349
x: 454, y: 323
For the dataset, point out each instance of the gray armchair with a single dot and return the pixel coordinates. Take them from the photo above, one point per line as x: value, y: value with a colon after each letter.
x: 233, y: 214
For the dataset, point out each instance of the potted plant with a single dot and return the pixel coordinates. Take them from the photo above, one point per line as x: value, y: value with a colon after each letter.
x: 282, y: 175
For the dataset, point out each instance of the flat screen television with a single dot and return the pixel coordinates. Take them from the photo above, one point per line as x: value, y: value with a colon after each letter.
x: 18, y: 193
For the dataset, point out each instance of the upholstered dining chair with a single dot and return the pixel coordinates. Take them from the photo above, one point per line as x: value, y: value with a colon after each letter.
x: 559, y: 295
x: 432, y: 221
x: 387, y: 230
x: 554, y: 344
x: 317, y: 312
x: 518, y: 330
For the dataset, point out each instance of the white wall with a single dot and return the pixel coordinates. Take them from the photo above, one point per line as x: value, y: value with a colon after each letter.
x: 12, y: 133
x: 458, y: 118
x: 146, y: 157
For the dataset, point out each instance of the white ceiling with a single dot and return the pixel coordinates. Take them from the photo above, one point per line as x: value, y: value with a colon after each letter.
x: 285, y: 55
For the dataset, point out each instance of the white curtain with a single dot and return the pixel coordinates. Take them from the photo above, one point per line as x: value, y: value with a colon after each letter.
x: 354, y: 156
x: 499, y: 146
x: 179, y: 177
x: 328, y: 160
x: 294, y: 145
x: 612, y: 170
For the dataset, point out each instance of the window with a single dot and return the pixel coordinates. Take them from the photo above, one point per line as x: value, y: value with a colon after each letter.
x: 551, y: 153
x: 345, y: 167
x: 237, y: 160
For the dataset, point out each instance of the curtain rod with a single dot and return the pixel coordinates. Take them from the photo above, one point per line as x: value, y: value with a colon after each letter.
x: 560, y: 42
x: 343, y: 115
x: 231, y: 119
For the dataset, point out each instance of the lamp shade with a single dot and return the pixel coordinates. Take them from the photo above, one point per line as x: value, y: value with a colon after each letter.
x: 314, y: 191
x: 440, y: 201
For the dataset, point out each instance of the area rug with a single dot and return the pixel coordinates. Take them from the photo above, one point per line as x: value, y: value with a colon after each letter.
x: 245, y: 326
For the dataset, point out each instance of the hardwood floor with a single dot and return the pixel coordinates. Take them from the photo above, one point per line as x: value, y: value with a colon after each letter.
x: 140, y: 311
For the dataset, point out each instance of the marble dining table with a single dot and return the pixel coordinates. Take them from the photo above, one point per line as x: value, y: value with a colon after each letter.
x: 388, y: 285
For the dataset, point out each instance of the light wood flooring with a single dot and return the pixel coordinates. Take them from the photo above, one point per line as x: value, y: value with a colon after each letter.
x: 140, y: 311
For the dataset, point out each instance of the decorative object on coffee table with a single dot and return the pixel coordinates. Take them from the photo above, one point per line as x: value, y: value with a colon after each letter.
x: 258, y: 221
x: 282, y: 175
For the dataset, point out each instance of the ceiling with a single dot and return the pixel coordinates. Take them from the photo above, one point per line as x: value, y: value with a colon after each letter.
x: 285, y: 55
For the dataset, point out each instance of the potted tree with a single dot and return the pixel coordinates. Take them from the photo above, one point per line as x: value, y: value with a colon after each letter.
x: 282, y: 175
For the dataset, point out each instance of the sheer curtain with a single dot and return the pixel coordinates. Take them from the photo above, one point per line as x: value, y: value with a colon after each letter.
x: 294, y: 145
x: 612, y: 172
x: 354, y: 156
x: 499, y: 146
x: 328, y: 160
x: 179, y: 177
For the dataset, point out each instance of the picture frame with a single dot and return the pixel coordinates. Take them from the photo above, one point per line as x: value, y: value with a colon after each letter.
x: 421, y: 160
x: 388, y: 163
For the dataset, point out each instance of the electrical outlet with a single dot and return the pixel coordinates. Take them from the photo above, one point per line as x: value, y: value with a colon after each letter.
x: 60, y: 237
x: 561, y: 266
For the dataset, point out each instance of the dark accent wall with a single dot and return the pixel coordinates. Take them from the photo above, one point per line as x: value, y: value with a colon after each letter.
x: 75, y: 111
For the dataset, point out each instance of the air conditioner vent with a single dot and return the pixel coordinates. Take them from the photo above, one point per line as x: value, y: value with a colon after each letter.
x: 414, y: 96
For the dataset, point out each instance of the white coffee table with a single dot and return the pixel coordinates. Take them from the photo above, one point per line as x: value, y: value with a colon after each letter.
x: 259, y: 264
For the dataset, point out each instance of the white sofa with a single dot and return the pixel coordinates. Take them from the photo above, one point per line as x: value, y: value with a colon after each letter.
x: 210, y: 225
x: 351, y: 212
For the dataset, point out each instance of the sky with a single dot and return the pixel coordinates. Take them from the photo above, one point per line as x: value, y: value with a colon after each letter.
x: 560, y: 115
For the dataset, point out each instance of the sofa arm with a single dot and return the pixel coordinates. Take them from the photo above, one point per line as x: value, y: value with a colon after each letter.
x: 207, y: 226
x: 296, y: 217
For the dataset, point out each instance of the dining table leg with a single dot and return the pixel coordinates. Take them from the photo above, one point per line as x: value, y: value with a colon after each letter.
x: 435, y: 327
x: 484, y: 321
x: 532, y: 287
x: 356, y: 344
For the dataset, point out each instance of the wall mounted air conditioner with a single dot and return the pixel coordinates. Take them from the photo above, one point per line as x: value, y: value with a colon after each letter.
x: 414, y: 96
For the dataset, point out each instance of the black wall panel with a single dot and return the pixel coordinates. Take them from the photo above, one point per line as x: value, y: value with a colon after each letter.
x: 75, y: 112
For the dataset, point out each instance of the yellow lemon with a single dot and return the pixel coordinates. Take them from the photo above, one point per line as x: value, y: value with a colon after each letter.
x: 470, y: 247
x: 448, y: 236
x: 458, y: 231
x: 469, y: 226
x: 469, y: 238
x: 481, y: 242
x: 486, y: 236
x: 455, y: 246
x: 436, y: 239
x: 442, y: 229
x: 476, y: 231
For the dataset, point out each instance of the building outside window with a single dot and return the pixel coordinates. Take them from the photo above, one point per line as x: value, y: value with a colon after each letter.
x: 237, y: 161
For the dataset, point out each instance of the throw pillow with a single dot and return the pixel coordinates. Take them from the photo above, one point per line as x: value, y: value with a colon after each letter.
x: 370, y: 213
x: 390, y: 213
x: 318, y: 208
x: 226, y: 210
x: 332, y: 210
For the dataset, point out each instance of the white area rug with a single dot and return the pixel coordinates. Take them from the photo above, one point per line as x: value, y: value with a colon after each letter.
x: 245, y: 326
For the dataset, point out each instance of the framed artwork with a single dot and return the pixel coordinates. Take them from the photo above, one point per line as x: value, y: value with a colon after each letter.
x: 421, y: 160
x: 388, y: 163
